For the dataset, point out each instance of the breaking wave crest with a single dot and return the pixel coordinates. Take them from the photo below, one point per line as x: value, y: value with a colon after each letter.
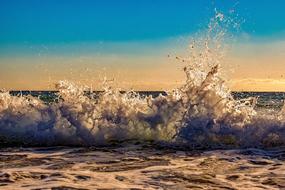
x: 200, y: 114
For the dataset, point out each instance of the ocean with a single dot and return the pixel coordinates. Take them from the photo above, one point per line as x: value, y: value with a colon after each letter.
x: 35, y: 156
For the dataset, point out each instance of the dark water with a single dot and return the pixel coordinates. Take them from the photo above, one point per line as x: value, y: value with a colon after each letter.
x: 269, y: 100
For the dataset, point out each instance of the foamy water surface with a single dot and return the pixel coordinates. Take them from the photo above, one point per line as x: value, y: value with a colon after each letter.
x: 141, y: 167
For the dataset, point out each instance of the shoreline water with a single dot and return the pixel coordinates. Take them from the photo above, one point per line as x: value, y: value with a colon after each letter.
x: 62, y: 168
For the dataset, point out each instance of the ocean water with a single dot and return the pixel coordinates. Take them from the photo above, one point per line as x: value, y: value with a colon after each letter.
x: 197, y: 136
x: 203, y: 139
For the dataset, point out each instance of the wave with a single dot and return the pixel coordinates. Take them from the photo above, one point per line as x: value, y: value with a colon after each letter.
x: 199, y: 114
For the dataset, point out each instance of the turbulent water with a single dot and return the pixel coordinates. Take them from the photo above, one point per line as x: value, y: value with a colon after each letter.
x: 166, y: 141
x: 74, y: 125
x: 140, y: 167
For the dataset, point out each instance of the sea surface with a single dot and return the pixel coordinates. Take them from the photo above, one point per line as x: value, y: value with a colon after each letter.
x: 135, y: 164
x: 266, y: 100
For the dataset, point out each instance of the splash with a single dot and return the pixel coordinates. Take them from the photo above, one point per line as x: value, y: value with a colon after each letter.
x: 200, y: 114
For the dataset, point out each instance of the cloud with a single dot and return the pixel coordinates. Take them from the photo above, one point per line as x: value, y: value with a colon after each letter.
x: 258, y: 84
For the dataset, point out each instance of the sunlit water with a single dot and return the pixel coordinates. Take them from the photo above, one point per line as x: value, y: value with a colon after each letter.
x: 141, y: 167
x: 198, y: 136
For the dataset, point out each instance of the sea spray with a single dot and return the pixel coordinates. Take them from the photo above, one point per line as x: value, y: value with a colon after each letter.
x: 200, y: 114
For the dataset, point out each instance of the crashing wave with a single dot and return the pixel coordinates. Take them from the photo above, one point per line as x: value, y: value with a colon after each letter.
x: 200, y: 114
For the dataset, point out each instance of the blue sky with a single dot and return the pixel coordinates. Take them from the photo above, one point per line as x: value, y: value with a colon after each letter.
x: 65, y: 21
x: 37, y: 37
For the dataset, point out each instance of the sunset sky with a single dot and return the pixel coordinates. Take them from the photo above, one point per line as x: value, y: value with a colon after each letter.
x: 42, y: 42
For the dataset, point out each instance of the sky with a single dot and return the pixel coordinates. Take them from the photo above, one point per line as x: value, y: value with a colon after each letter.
x: 42, y: 42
